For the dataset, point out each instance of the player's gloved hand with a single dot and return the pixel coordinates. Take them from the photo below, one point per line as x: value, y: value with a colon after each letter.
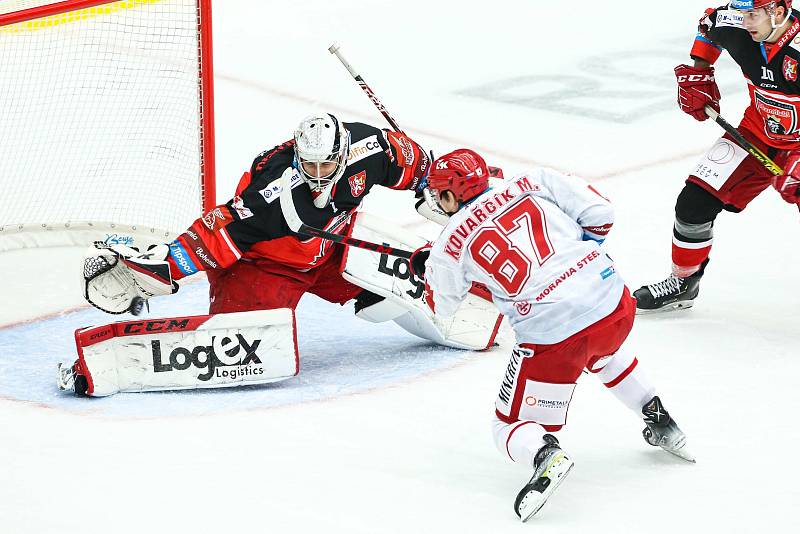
x: 788, y: 183
x: 697, y: 89
x: 430, y: 209
x: 418, y: 259
x: 426, y: 204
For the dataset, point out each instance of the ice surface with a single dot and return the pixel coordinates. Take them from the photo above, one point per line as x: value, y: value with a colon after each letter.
x: 382, y: 432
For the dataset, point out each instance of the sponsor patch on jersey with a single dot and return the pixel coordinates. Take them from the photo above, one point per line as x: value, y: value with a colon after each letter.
x: 358, y: 183
x: 363, y: 149
x: 780, y: 118
x: 241, y: 210
x: 182, y: 259
x: 273, y: 190
x: 730, y: 17
x: 607, y: 272
x: 206, y: 257
x: 218, y: 217
x: 523, y: 307
x: 545, y: 403
x: 790, y: 69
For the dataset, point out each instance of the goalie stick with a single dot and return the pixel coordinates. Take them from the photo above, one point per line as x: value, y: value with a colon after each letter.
x: 297, y: 225
x: 495, y: 172
x: 334, y: 49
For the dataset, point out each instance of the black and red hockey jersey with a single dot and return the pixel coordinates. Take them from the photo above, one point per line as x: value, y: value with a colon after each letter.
x: 771, y: 71
x: 251, y: 224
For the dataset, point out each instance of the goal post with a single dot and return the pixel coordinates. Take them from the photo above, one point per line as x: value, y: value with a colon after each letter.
x: 106, y: 120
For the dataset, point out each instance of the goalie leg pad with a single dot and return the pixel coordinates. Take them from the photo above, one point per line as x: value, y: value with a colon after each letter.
x: 206, y: 351
x: 475, y: 324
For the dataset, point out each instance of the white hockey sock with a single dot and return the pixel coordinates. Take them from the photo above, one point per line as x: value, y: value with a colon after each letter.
x: 623, y: 376
x: 519, y: 441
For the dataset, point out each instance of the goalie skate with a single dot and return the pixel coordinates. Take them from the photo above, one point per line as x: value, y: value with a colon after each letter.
x: 662, y: 431
x: 65, y: 377
x: 68, y: 378
x: 551, y: 466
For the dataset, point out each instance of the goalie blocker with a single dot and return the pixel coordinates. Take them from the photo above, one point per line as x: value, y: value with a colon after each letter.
x: 204, y: 351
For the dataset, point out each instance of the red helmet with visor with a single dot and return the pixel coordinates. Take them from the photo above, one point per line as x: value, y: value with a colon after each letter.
x: 462, y: 171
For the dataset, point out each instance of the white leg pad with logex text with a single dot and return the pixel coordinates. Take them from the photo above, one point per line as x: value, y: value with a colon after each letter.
x: 474, y: 326
x: 204, y: 351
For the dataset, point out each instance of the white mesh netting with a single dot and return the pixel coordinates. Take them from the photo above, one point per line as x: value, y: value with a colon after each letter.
x: 100, y: 117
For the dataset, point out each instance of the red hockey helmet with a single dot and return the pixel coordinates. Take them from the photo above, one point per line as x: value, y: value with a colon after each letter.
x: 462, y: 171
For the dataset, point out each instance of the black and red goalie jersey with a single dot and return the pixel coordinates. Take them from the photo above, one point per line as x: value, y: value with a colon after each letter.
x: 771, y: 71
x: 251, y: 224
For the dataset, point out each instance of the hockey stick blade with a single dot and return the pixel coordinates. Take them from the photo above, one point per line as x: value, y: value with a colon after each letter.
x: 297, y: 225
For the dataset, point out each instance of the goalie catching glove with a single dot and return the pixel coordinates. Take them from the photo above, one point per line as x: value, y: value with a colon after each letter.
x: 118, y: 278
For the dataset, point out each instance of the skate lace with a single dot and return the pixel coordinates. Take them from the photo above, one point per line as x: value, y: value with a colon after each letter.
x: 670, y: 285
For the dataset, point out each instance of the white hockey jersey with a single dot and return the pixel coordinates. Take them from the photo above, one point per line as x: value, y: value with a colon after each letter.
x: 534, y: 242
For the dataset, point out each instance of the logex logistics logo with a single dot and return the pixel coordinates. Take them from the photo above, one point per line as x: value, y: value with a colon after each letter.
x: 224, y: 359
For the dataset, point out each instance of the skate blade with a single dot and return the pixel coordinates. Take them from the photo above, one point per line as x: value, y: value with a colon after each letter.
x: 681, y: 305
x: 533, y: 501
x: 683, y: 454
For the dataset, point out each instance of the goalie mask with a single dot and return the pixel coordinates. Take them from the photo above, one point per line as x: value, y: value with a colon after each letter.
x: 322, y: 145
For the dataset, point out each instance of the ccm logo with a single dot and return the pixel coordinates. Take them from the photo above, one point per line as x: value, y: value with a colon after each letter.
x: 155, y: 326
x: 696, y: 78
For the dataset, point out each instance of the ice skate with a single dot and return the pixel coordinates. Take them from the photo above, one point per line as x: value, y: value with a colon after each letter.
x: 65, y: 377
x: 662, y: 431
x: 68, y: 378
x: 671, y: 294
x: 551, y: 466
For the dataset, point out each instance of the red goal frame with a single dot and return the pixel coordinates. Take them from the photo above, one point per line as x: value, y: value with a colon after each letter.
x: 205, y: 75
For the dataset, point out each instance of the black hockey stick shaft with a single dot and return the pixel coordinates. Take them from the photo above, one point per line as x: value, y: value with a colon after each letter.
x: 353, y: 242
x: 334, y: 49
x: 765, y: 160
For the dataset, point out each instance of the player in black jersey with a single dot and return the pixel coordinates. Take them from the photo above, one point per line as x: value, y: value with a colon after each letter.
x: 253, y: 260
x: 763, y: 37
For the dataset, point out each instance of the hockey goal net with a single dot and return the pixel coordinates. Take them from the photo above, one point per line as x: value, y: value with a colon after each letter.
x: 106, y: 119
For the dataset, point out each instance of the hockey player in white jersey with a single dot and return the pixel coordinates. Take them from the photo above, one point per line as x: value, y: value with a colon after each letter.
x: 534, y: 242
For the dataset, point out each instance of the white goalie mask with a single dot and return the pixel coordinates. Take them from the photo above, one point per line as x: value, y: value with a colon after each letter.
x: 322, y: 146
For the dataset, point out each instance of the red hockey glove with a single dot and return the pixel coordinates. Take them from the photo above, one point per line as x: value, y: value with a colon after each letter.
x: 696, y: 89
x: 418, y: 259
x: 788, y: 183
